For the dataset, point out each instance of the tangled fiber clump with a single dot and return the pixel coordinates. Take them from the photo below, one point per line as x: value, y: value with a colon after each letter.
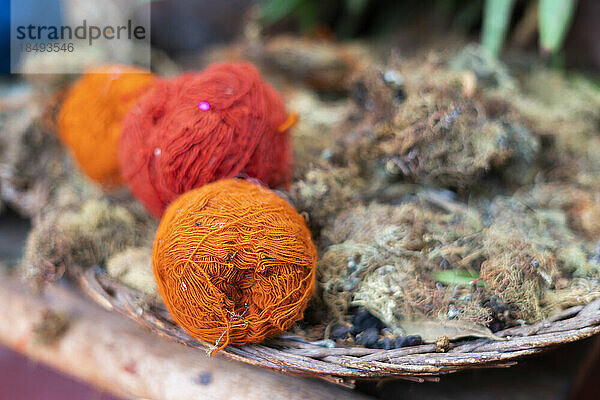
x: 234, y: 262
x: 201, y: 127
x: 81, y: 236
x: 91, y: 117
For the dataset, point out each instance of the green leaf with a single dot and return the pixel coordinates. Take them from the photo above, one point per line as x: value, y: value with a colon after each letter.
x: 356, y: 7
x: 554, y: 20
x: 275, y: 10
x: 496, y: 18
x: 454, y: 277
x: 308, y: 15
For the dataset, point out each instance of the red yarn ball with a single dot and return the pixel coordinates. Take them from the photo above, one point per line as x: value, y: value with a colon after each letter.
x: 200, y: 127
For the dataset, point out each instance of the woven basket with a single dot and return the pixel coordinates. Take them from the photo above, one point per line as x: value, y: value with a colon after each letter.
x: 294, y: 355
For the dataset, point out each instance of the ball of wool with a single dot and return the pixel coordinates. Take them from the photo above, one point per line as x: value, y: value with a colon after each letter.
x: 91, y: 117
x: 234, y: 262
x: 201, y: 127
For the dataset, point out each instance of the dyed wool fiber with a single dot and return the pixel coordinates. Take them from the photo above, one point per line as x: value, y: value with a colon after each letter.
x: 204, y: 126
x: 234, y: 262
x: 91, y: 117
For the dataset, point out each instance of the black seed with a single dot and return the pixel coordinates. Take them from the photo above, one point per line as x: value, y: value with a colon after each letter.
x: 385, y: 343
x: 340, y: 332
x: 444, y: 264
x: 354, y: 117
x: 400, y: 95
x: 407, y: 341
x: 368, y: 337
x: 359, y: 93
x: 400, y: 342
x: 204, y: 378
x: 496, y: 325
x: 414, y: 340
x: 364, y: 320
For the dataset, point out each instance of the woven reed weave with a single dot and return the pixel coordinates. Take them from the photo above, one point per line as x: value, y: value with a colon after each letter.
x: 293, y: 355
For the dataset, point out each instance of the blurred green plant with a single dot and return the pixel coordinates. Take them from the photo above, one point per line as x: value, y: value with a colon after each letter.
x: 345, y: 17
x: 554, y: 20
x: 309, y: 12
x: 496, y: 19
x: 305, y: 11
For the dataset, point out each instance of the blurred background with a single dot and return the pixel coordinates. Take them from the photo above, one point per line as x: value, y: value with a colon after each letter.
x: 562, y: 31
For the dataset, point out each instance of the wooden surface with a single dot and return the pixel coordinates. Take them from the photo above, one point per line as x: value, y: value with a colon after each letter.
x: 117, y: 355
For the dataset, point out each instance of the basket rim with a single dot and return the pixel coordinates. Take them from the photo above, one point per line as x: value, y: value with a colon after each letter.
x: 293, y: 355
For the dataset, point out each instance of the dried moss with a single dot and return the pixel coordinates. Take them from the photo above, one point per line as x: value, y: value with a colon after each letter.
x: 580, y: 204
x: 35, y: 172
x: 576, y: 292
x: 443, y: 131
x: 487, y: 69
x: 566, y: 110
x: 530, y: 251
x: 83, y: 237
x: 313, y: 135
x: 385, y: 255
x: 323, y: 192
x: 516, y: 276
x: 133, y: 267
x: 538, y: 250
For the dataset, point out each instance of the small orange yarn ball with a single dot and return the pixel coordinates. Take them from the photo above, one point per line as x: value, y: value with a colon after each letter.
x: 234, y: 262
x: 91, y: 117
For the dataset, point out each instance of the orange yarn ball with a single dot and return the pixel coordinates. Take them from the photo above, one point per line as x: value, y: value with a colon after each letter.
x: 234, y: 262
x: 91, y: 117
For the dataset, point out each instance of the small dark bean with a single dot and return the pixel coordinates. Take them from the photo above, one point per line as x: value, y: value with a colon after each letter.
x: 400, y: 95
x: 385, y: 343
x: 407, y: 341
x: 340, y: 332
x: 496, y: 325
x: 364, y: 320
x: 359, y: 93
x: 368, y: 337
x: 444, y: 264
x: 204, y: 378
